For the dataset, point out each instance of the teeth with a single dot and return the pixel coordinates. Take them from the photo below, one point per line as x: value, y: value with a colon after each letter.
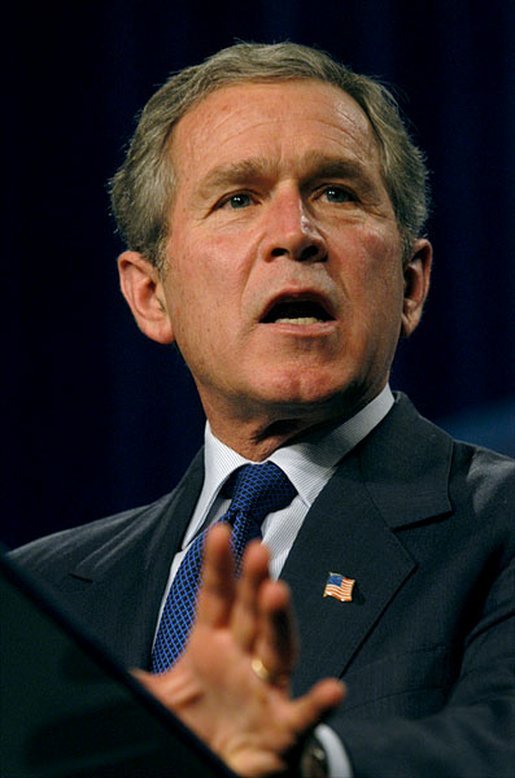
x: 299, y: 320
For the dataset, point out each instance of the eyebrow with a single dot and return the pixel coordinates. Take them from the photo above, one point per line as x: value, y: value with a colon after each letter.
x: 324, y: 166
x: 235, y: 174
x: 315, y: 165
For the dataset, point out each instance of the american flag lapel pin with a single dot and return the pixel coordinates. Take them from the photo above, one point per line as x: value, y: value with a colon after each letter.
x: 339, y: 587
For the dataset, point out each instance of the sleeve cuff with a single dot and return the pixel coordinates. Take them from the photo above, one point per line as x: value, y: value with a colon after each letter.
x: 337, y: 759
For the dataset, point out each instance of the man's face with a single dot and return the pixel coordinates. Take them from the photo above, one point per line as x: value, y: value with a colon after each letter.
x: 283, y: 285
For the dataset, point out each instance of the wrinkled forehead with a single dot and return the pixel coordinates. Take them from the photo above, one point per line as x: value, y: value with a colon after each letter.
x: 258, y: 115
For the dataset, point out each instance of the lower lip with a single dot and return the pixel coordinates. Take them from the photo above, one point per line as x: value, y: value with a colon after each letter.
x: 306, y: 328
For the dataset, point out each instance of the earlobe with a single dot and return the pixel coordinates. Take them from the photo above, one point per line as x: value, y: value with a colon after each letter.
x: 142, y: 288
x: 417, y: 273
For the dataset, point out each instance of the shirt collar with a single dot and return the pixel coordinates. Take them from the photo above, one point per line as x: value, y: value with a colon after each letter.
x: 308, y: 464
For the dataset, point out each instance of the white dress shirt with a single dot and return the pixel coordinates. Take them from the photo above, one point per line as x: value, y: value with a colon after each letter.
x: 309, y: 465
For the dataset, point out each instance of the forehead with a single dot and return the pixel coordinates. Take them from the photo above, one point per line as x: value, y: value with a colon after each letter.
x: 282, y: 120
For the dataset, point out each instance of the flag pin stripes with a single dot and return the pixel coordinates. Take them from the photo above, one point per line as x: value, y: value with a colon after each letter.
x: 339, y: 587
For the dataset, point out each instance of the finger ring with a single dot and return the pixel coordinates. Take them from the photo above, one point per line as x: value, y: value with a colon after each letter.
x: 261, y: 671
x: 266, y: 675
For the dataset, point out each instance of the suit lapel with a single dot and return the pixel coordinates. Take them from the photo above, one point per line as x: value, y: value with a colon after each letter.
x: 350, y: 529
x: 120, y: 587
x: 344, y: 534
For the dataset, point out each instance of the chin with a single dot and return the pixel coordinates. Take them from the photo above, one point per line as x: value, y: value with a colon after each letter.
x: 307, y: 393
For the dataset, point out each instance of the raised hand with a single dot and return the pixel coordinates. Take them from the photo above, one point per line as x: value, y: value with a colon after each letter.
x: 231, y: 685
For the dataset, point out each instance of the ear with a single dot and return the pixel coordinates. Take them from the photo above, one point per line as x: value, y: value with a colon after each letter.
x: 417, y: 273
x: 142, y: 287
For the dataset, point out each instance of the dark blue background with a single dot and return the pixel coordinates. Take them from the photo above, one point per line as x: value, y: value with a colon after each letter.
x: 96, y: 418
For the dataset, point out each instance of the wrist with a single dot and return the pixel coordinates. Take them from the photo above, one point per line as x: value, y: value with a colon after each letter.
x: 313, y: 762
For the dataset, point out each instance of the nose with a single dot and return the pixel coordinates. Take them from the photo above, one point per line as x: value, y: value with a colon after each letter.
x: 291, y: 231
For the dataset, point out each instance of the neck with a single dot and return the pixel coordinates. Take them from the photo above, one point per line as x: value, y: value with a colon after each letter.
x: 257, y: 436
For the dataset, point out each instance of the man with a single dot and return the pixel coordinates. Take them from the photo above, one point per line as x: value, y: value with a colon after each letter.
x: 273, y: 206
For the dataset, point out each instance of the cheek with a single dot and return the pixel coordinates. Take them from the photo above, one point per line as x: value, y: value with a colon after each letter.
x: 381, y: 242
x: 370, y: 268
x: 371, y: 277
x: 203, y: 289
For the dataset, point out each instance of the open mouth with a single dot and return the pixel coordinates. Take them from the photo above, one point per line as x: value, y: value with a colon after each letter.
x: 297, y: 311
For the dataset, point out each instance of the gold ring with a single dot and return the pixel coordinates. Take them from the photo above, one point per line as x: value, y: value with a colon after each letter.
x: 266, y: 675
x: 261, y: 671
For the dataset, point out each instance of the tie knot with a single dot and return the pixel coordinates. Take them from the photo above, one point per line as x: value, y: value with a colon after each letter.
x: 261, y: 489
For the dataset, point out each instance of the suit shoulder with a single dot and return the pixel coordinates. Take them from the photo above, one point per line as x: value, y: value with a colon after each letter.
x: 474, y: 464
x: 42, y: 554
x: 100, y: 543
x: 488, y: 475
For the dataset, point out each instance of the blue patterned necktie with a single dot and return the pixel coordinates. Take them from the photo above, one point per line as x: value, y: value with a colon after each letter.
x: 258, y: 491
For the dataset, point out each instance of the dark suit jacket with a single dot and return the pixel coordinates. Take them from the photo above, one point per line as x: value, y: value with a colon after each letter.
x: 427, y: 646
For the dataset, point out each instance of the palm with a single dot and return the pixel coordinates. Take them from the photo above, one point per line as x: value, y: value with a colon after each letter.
x: 254, y: 726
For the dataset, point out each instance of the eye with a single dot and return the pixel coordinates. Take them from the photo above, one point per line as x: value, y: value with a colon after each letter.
x: 337, y: 194
x: 236, y: 201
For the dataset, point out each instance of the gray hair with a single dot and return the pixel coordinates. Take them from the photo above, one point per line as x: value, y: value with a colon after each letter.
x: 142, y: 188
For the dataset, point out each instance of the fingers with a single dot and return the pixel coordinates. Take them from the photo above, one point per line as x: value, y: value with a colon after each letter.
x: 148, y: 680
x: 257, y: 611
x: 276, y: 643
x: 262, y: 622
x: 309, y: 710
x: 245, y: 616
x: 175, y: 688
x: 155, y: 684
x: 218, y: 587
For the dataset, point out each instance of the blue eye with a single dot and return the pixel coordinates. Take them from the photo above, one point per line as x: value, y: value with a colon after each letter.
x: 239, y: 200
